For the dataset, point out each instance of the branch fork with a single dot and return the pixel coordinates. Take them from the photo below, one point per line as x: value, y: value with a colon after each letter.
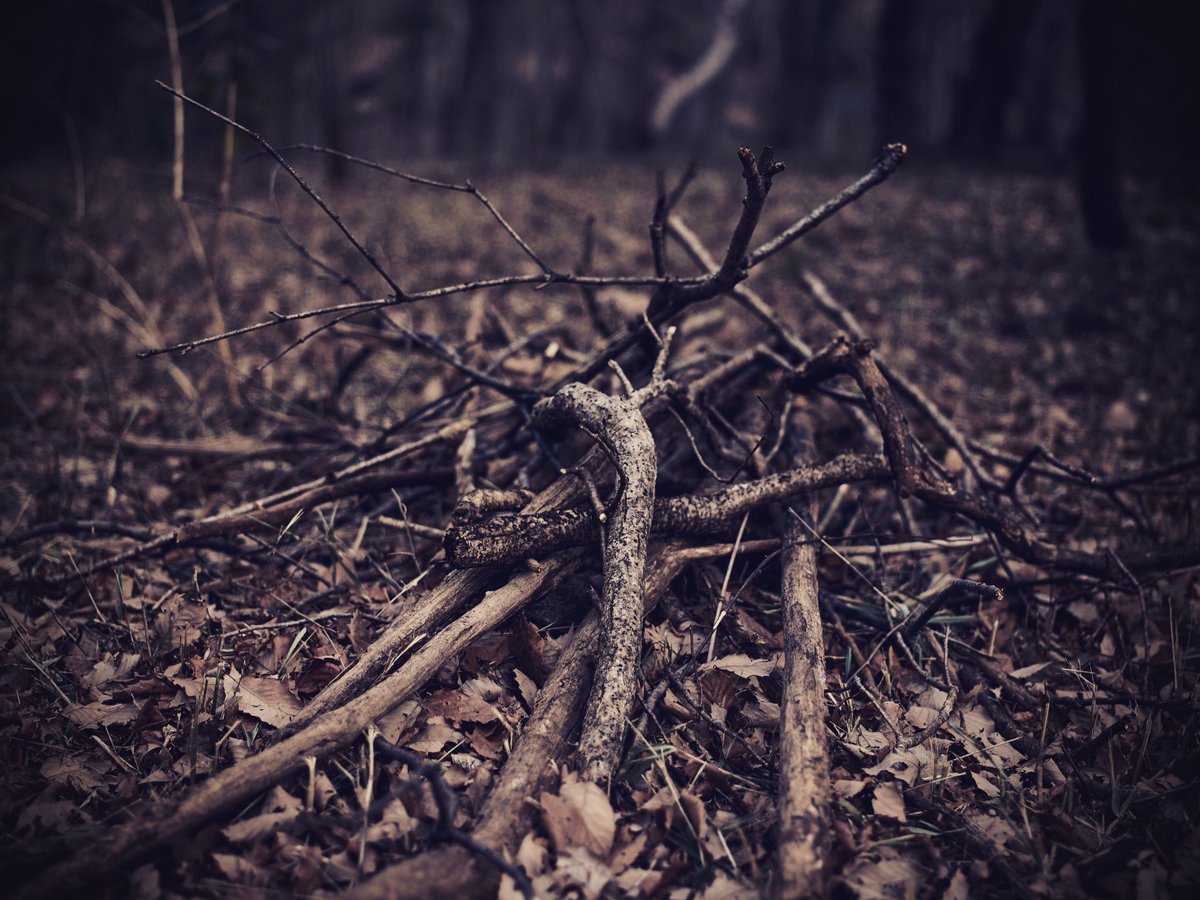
x: 618, y: 424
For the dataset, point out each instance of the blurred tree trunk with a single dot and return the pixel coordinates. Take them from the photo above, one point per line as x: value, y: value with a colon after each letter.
x: 1098, y: 176
x: 472, y: 121
x: 806, y: 35
x: 327, y: 41
x: 982, y: 100
x: 895, y: 100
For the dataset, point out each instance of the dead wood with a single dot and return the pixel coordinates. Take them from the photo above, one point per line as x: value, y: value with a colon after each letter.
x: 804, y: 794
x: 915, y: 479
x: 907, y: 389
x: 509, y: 812
x: 622, y: 430
x: 119, y: 847
x: 510, y: 539
x: 431, y: 628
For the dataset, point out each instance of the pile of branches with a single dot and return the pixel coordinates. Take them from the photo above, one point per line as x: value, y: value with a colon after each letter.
x: 631, y: 471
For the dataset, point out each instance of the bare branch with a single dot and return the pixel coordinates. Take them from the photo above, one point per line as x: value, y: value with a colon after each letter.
x: 261, y: 141
x: 892, y: 156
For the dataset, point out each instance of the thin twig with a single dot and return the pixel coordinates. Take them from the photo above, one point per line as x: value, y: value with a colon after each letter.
x: 887, y: 163
x: 261, y: 141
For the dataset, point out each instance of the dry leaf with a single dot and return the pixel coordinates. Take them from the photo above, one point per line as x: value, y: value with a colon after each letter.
x: 527, y: 687
x: 847, y: 788
x: 267, y: 699
x: 725, y: 887
x: 580, y: 816
x: 741, y: 665
x: 460, y: 706
x: 904, y: 764
x: 891, y: 876
x: 577, y: 868
x: 92, y: 716
x: 693, y: 808
x: 888, y: 801
x: 920, y: 716
x: 985, y: 784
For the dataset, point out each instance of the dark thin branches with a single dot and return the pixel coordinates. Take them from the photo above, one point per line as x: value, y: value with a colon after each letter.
x: 446, y: 804
x: 466, y: 188
x: 892, y: 156
x: 262, y: 142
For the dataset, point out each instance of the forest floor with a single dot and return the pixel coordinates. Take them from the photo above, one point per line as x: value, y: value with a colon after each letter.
x: 1069, y: 769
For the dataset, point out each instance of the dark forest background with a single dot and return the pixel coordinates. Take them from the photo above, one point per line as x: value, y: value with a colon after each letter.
x: 523, y: 82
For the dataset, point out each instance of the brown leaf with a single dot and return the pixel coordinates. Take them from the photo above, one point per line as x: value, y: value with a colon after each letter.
x: 579, y: 870
x: 985, y: 784
x: 359, y: 632
x: 847, y: 788
x: 91, y: 716
x: 267, y: 699
x: 394, y: 723
x: 434, y: 737
x: 904, y: 764
x: 82, y: 774
x: 693, y: 808
x: 279, y: 808
x: 891, y: 875
x: 741, y: 665
x: 460, y: 706
x: 527, y: 686
x: 580, y: 816
x: 888, y: 801
x: 239, y: 870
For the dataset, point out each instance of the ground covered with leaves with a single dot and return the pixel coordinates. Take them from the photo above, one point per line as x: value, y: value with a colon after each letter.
x: 1065, y: 765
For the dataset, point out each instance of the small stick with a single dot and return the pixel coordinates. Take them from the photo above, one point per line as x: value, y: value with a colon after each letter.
x: 804, y: 784
x: 888, y: 162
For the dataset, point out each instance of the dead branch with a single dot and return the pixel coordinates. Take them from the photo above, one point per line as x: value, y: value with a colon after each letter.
x: 507, y: 815
x: 758, y: 173
x: 510, y: 539
x: 119, y: 847
x: 914, y: 479
x: 907, y: 389
x: 891, y: 158
x: 563, y: 491
x: 804, y: 784
x: 262, y: 142
x: 465, y: 187
x: 621, y: 428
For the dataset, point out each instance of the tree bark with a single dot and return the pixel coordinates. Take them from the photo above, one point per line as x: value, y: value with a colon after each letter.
x: 804, y: 836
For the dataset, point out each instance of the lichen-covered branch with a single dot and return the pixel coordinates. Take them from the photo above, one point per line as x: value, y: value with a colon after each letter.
x: 619, y: 424
x: 509, y: 539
